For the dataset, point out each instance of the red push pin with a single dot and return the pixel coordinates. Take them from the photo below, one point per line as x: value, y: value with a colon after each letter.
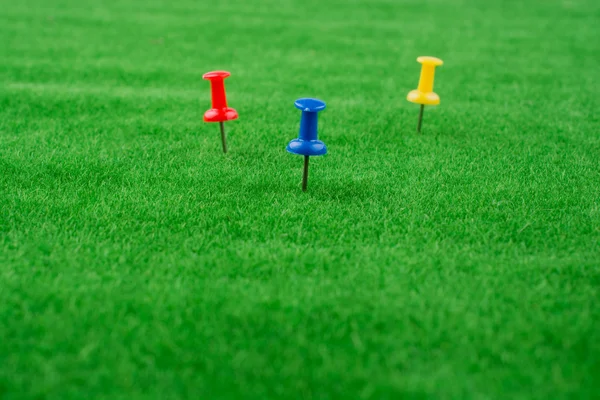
x: 219, y: 111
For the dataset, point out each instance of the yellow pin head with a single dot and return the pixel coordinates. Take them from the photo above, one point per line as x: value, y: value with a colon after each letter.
x: 424, y: 93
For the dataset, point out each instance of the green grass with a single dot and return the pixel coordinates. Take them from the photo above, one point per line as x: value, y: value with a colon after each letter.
x: 139, y: 262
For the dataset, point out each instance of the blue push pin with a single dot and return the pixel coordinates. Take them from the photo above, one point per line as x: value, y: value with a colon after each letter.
x: 307, y: 143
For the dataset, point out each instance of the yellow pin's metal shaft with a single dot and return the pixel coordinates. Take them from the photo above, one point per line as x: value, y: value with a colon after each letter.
x: 420, y: 118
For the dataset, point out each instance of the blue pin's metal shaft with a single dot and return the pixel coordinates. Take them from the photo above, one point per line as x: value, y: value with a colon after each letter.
x: 305, y: 174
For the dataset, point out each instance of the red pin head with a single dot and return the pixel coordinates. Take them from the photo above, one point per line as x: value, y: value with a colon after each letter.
x: 219, y: 111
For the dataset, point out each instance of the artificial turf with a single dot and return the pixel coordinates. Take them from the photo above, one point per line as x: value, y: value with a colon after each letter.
x: 139, y: 262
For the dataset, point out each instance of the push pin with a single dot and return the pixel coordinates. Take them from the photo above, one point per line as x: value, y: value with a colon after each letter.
x: 424, y: 94
x: 219, y: 111
x: 307, y: 143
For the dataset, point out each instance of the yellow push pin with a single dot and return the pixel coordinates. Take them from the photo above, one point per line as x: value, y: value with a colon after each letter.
x: 424, y: 94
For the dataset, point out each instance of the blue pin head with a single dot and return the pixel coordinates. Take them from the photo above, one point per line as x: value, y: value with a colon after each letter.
x: 307, y: 143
